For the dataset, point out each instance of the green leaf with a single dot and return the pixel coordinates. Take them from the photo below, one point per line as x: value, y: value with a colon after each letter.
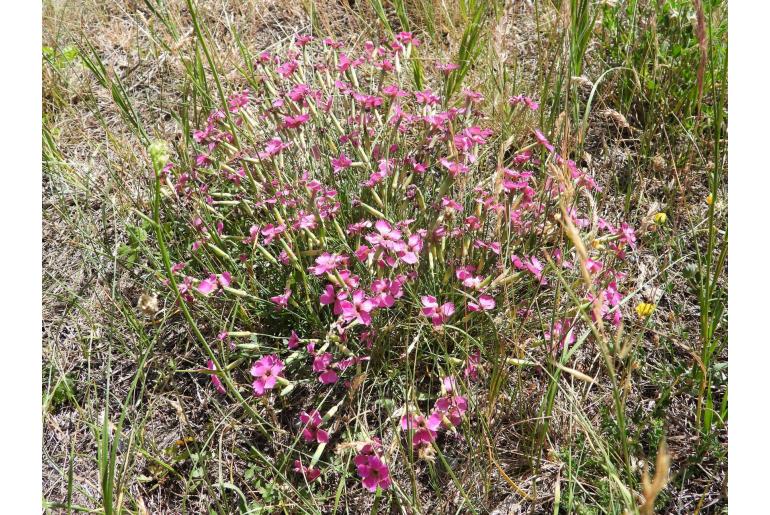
x: 69, y: 54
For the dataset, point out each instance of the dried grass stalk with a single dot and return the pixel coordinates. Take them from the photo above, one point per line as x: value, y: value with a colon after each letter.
x: 652, y: 487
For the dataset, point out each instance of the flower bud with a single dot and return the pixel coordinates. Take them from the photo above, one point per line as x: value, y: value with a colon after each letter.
x: 159, y: 154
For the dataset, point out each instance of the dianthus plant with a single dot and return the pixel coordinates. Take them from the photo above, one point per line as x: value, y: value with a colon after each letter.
x: 370, y: 236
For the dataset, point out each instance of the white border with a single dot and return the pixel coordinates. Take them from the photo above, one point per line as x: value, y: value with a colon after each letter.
x: 749, y: 200
x: 21, y: 255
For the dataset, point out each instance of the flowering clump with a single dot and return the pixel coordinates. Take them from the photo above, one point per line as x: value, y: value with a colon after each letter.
x: 344, y: 219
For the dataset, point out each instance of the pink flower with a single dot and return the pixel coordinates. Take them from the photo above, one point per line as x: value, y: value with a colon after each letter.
x: 429, y: 305
x: 410, y: 253
x: 609, y: 298
x: 214, y: 378
x: 208, y: 285
x: 558, y: 257
x: 264, y: 57
x: 447, y: 68
x: 446, y: 310
x: 523, y: 157
x: 341, y: 163
x: 184, y: 288
x: 418, y: 167
x: 343, y: 62
x: 304, y: 221
x: 535, y: 267
x: 451, y: 408
x: 423, y: 435
x: 449, y: 383
x: 329, y: 296
x: 253, y: 235
x: 202, y: 136
x: 437, y: 314
x: 287, y: 68
x: 543, y: 140
x: 270, y: 232
x: 326, y: 263
x: 521, y: 99
x: 311, y: 432
x: 358, y: 308
x: 293, y: 122
x: 470, y: 137
x: 531, y: 264
x: 471, y: 366
x: 593, y: 267
x: 293, y: 341
x: 473, y: 223
x: 239, y: 100
x: 303, y: 39
x: 385, y: 237
x: 387, y: 291
x: 362, y: 253
x: 561, y: 335
x: 426, y: 97
x: 273, y: 147
x: 465, y: 274
x: 385, y: 65
x: 331, y: 43
x: 322, y: 365
x: 451, y: 204
x: 436, y: 420
x: 346, y: 363
x: 393, y: 91
x: 266, y: 371
x: 473, y: 97
x: 202, y: 160
x: 486, y: 302
x: 213, y: 282
x: 367, y: 102
x: 373, y: 472
x: 627, y: 234
x: 454, y: 168
x: 310, y: 473
x: 282, y: 301
x: 406, y: 38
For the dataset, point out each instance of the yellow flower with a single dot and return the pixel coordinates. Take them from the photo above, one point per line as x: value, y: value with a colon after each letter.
x: 644, y: 309
x: 660, y: 218
x: 710, y: 199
